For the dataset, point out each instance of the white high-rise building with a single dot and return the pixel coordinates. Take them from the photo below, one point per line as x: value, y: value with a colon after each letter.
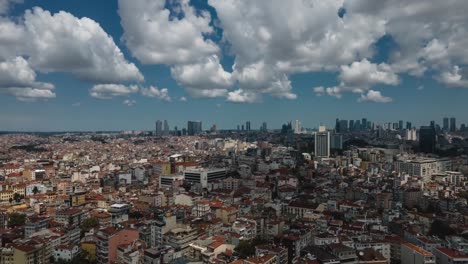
x: 411, y: 135
x: 322, y: 143
x: 297, y: 127
x: 159, y: 128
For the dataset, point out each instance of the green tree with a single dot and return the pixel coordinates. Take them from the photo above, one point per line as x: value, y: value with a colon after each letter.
x: 17, y: 197
x: 16, y: 219
x: 441, y: 229
x: 246, y: 248
x: 89, y: 223
x: 35, y: 190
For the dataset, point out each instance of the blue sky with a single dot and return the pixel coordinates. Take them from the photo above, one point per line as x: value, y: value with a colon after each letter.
x: 400, y: 93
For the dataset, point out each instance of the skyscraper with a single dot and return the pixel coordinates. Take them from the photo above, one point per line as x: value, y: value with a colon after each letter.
x: 445, y: 124
x: 357, y: 125
x: 453, y: 124
x: 264, y: 127
x: 166, y: 128
x: 408, y: 125
x: 247, y: 126
x: 336, y: 141
x: 351, y: 125
x: 194, y: 128
x: 427, y: 139
x: 400, y: 125
x: 297, y: 127
x: 364, y: 124
x: 322, y: 143
x: 158, y: 131
x: 343, y: 126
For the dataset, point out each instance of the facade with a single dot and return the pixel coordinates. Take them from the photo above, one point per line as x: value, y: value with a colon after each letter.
x: 423, y: 167
x: 322, y: 143
x: 194, y: 128
x: 159, y: 128
x: 204, y: 176
x: 427, y: 139
x: 412, y: 254
x: 108, y: 239
x: 450, y: 256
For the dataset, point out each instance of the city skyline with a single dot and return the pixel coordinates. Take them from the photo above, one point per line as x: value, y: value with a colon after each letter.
x: 141, y: 81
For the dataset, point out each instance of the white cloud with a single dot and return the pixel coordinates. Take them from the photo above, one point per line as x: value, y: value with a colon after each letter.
x: 374, y: 96
x: 65, y: 43
x: 359, y: 77
x: 241, y: 96
x: 205, y: 76
x: 61, y: 42
x: 109, y: 91
x: 454, y: 78
x: 260, y: 78
x: 362, y: 74
x: 155, y: 36
x: 77, y: 104
x: 272, y: 40
x: 183, y: 99
x: 129, y: 102
x: 19, y: 80
x: 430, y: 36
x: 154, y: 92
x: 319, y: 91
x: 420, y: 87
x: 30, y: 94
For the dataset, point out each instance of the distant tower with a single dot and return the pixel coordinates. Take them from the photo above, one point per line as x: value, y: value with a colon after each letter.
x: 264, y: 127
x: 427, y: 139
x: 159, y: 129
x: 445, y: 124
x: 297, y: 127
x: 322, y: 143
x: 194, y: 128
x: 166, y: 128
x: 247, y: 126
x: 453, y: 124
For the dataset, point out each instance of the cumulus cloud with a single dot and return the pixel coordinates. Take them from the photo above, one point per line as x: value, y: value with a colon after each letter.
x: 183, y: 99
x: 365, y: 74
x: 154, y: 92
x: 359, y: 77
x: 61, y: 42
x: 241, y: 96
x: 19, y: 80
x: 454, y: 78
x: 430, y: 36
x: 272, y: 40
x: 158, y: 35
x: 203, y: 77
x: 129, y: 102
x: 30, y: 94
x: 267, y: 49
x: 374, y: 96
x: 109, y: 91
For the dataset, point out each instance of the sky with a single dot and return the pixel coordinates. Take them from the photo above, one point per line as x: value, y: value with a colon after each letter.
x: 83, y: 65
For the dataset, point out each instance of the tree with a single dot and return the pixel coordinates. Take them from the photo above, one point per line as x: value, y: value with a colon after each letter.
x: 35, y: 190
x: 441, y: 229
x: 16, y: 219
x: 17, y: 197
x: 89, y: 223
x: 246, y: 248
